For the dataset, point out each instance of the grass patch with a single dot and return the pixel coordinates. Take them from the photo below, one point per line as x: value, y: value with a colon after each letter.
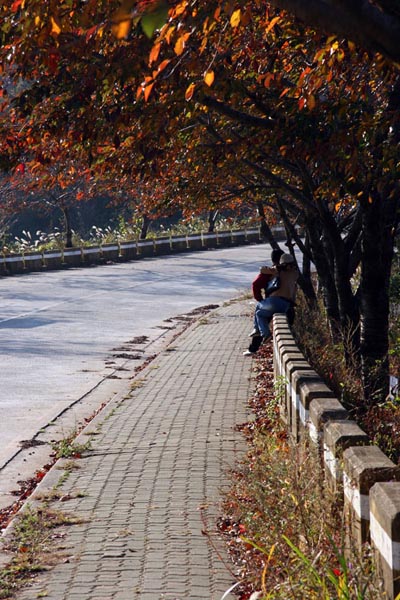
x: 137, y: 383
x: 33, y: 544
x: 68, y: 448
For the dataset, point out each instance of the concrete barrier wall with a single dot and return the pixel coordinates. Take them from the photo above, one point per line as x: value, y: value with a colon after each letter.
x: 365, y: 481
x: 384, y: 513
x: 125, y: 251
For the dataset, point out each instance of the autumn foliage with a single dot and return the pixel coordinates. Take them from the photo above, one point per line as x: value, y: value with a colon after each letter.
x: 205, y: 105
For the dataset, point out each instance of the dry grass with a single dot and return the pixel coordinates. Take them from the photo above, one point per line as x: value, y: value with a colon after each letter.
x: 281, y: 524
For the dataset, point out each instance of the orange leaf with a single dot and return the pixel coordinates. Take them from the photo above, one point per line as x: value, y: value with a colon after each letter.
x: 203, y: 45
x: 235, y: 18
x: 181, y: 43
x: 155, y: 51
x: 190, y: 91
x: 147, y: 91
x: 268, y: 78
x: 121, y: 30
x: 18, y: 3
x: 139, y: 91
x: 179, y: 9
x: 285, y: 91
x: 168, y: 34
x: 272, y: 24
x: 163, y: 64
x: 246, y: 18
x: 55, y: 28
x: 311, y: 102
x: 209, y: 78
x: 320, y: 55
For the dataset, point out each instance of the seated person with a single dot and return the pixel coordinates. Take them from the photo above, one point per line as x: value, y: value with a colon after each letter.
x: 259, y: 289
x: 280, y: 300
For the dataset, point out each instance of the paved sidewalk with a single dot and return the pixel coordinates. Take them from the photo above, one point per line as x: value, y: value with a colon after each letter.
x: 151, y: 482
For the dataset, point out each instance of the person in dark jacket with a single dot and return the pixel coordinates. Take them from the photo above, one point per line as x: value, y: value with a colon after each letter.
x: 259, y: 289
x: 281, y: 299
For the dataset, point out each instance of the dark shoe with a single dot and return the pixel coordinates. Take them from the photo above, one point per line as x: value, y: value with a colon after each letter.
x: 255, y: 343
x: 266, y: 338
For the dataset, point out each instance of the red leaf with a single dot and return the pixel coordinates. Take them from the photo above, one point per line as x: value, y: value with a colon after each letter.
x: 15, y: 6
x: 20, y: 168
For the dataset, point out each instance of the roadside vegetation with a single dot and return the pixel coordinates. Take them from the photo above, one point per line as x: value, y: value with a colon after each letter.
x: 126, y: 230
x: 283, y: 528
x: 34, y: 545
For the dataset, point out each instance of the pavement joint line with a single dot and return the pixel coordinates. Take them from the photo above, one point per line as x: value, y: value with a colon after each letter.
x: 52, y: 478
x: 116, y: 400
x: 42, y: 454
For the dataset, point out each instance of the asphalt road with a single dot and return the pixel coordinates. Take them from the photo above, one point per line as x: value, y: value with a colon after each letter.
x: 60, y: 330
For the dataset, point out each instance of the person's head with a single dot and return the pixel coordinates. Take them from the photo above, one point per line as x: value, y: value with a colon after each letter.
x: 286, y: 261
x: 276, y: 255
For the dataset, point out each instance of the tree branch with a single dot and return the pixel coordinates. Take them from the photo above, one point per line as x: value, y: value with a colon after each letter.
x: 237, y: 115
x: 375, y: 25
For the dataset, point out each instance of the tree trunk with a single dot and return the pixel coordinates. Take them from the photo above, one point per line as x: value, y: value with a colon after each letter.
x: 212, y: 218
x: 265, y: 230
x: 348, y: 306
x: 324, y: 265
x: 376, y: 258
x: 145, y: 227
x: 68, y: 230
x: 349, y: 316
x: 305, y: 282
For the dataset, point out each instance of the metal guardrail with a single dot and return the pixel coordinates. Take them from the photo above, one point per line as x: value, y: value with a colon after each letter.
x: 130, y: 250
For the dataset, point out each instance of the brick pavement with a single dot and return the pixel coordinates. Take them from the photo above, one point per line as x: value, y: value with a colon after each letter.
x: 149, y: 487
